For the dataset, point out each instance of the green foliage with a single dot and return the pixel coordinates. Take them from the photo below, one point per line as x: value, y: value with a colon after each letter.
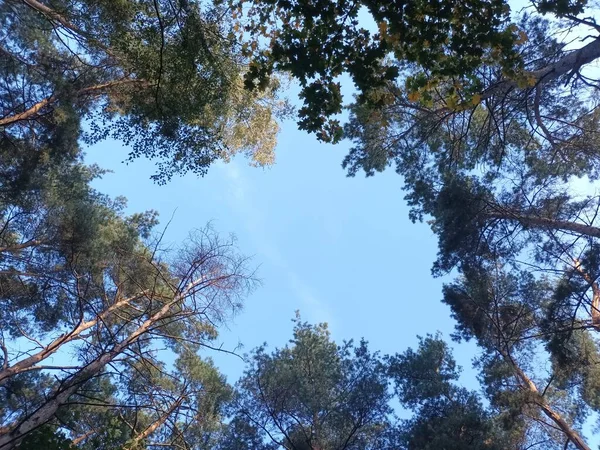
x: 47, y: 438
x: 165, y: 80
x: 318, y: 41
x: 241, y: 434
x: 486, y: 116
x: 314, y: 394
x: 489, y: 152
x: 445, y: 414
x: 456, y: 424
x: 425, y: 374
x: 423, y: 48
x: 83, y: 282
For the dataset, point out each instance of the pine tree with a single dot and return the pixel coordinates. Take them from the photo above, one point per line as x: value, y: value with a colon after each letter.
x: 164, y: 78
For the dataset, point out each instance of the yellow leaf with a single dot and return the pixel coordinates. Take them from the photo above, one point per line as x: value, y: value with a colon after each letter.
x: 414, y: 96
x: 476, y: 100
x: 522, y: 38
x: 452, y: 102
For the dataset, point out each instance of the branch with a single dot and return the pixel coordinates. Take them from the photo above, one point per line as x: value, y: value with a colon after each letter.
x: 98, y: 89
x: 53, y: 15
x: 528, y: 385
x: 547, y: 409
x: 157, y: 423
x: 595, y: 313
x: 46, y: 351
x: 79, y: 439
x: 24, y: 245
x: 570, y: 63
x: 71, y: 385
x: 542, y: 222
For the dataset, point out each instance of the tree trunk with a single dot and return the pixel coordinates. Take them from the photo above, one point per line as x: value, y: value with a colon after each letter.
x: 29, y: 362
x: 24, y: 245
x: 528, y: 220
x: 595, y: 309
x: 561, y: 423
x: 154, y: 425
x: 572, y: 61
x: 99, y: 89
x: 79, y: 439
x: 44, y: 414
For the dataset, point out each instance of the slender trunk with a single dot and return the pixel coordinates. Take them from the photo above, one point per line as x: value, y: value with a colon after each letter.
x: 70, y: 386
x: 595, y: 310
x: 79, y: 439
x: 28, y: 112
x: 156, y: 424
x: 53, y: 15
x: 33, y: 110
x: 529, y: 220
x: 29, y: 362
x: 545, y: 222
x: 22, y: 246
x: 570, y: 62
x: 561, y: 423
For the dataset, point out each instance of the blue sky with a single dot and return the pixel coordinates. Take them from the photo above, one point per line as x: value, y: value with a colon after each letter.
x: 341, y: 250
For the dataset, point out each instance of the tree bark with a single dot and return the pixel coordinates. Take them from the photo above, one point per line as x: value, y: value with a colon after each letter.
x: 9, y: 440
x: 51, y: 14
x: 29, y: 362
x: 561, y: 423
x: 156, y: 424
x: 22, y: 246
x: 31, y: 112
x: 595, y: 310
x: 79, y: 439
x: 544, y: 222
x: 570, y: 62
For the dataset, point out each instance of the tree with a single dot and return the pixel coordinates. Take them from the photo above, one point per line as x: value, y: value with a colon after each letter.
x: 546, y: 375
x: 314, y: 394
x: 81, y: 280
x: 162, y: 77
x: 93, y: 310
x: 432, y: 60
x: 445, y: 415
x: 489, y: 118
x: 501, y: 125
x: 240, y: 434
x: 486, y: 137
